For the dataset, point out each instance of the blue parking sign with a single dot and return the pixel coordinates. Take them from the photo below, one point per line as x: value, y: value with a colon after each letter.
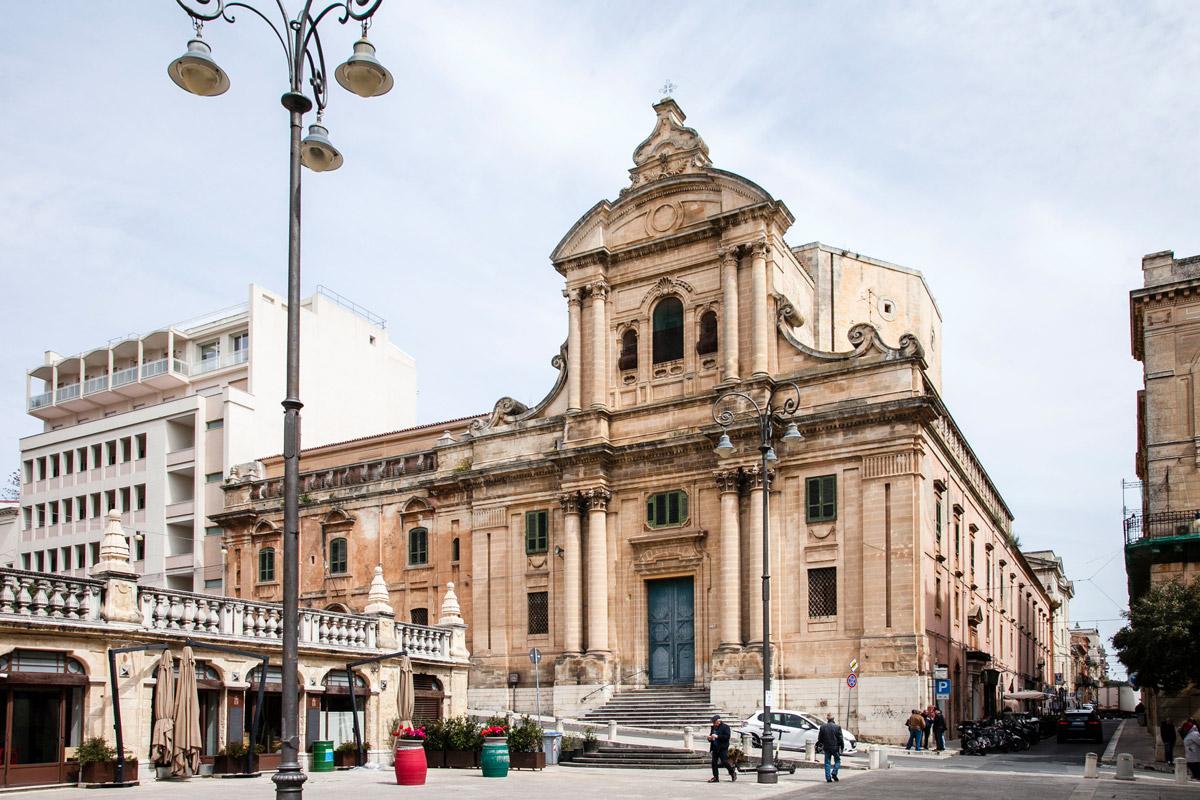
x: 941, y: 687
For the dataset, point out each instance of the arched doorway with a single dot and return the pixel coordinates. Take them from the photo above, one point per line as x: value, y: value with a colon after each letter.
x: 41, y: 713
x: 330, y: 715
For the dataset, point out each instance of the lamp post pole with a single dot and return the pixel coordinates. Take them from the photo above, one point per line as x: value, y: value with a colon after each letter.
x: 363, y: 75
x: 768, y: 415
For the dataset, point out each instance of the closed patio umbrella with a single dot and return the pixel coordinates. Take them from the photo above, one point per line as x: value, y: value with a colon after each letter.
x: 185, y: 757
x: 162, y: 737
x: 404, y: 693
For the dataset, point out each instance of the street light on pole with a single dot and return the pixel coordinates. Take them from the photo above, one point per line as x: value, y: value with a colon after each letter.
x: 197, y: 72
x: 769, y: 415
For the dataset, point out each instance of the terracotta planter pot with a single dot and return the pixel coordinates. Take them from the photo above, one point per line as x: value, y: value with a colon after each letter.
x: 435, y: 759
x: 462, y: 759
x: 106, y: 771
x: 534, y: 760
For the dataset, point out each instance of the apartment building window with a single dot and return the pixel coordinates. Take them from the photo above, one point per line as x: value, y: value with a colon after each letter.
x: 68, y: 459
x: 241, y: 347
x: 126, y: 498
x: 41, y: 515
x: 214, y: 425
x: 937, y: 522
x: 539, y: 613
x: 27, y: 514
x: 339, y: 556
x: 537, y: 534
x: 139, y: 549
x: 97, y: 509
x: 68, y: 510
x: 110, y: 500
x: 26, y: 561
x: 80, y: 555
x: 957, y: 541
x: 28, y: 471
x: 53, y: 461
x: 94, y: 553
x: 418, y: 547
x: 822, y: 592
x: 97, y: 451
x: 214, y: 583
x: 937, y: 596
x: 127, y: 449
x: 821, y: 495
x: 139, y: 443
x: 53, y: 512
x: 66, y: 558
x: 110, y: 453
x: 139, y: 497
x: 81, y: 459
x: 266, y: 565
x: 53, y: 554
x: 212, y: 477
x: 210, y: 356
x: 666, y: 509
x: 214, y: 530
x: 971, y: 556
x: 957, y: 605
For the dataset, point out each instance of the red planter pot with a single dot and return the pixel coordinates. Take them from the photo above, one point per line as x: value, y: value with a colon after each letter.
x: 410, y: 763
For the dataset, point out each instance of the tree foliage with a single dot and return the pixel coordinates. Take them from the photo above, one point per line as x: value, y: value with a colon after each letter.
x: 1161, y: 643
x: 12, y: 488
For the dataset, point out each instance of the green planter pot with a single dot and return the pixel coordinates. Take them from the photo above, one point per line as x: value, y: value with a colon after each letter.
x: 495, y: 757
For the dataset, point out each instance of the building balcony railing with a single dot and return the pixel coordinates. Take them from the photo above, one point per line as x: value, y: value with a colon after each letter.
x: 1161, y: 524
x: 221, y: 362
x: 124, y: 376
x: 176, y: 367
x: 66, y: 392
x: 93, y: 385
x: 41, y: 400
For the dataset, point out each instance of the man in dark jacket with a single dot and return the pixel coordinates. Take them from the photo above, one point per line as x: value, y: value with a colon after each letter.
x: 939, y: 730
x: 831, y: 741
x: 718, y: 747
x: 1166, y: 729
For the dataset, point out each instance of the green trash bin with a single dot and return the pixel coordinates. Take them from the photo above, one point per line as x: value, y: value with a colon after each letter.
x: 494, y: 758
x: 322, y: 760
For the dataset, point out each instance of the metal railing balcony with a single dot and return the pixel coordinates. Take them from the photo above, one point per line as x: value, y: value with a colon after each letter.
x: 93, y: 385
x: 68, y: 392
x: 1161, y: 524
x: 207, y: 364
x: 152, y: 368
x: 41, y: 400
x: 124, y: 376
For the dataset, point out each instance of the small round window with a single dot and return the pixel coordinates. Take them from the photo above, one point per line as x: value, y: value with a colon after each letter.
x: 887, y: 308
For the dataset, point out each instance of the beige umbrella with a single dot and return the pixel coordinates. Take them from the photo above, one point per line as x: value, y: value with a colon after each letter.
x: 404, y: 693
x: 185, y: 756
x: 162, y: 738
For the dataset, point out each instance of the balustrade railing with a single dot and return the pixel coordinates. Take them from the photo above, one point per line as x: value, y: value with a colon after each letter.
x: 36, y: 594
x: 424, y: 641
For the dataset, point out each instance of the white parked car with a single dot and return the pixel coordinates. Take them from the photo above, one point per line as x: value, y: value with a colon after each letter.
x: 793, y: 730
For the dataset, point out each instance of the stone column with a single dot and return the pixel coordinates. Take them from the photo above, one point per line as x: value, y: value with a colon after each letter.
x: 754, y: 554
x: 729, y: 594
x: 761, y: 324
x: 574, y: 348
x: 599, y: 292
x: 597, y: 570
x: 729, y: 314
x: 572, y: 579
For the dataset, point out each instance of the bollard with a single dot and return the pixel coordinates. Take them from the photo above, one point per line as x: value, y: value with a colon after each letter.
x: 558, y: 725
x: 1125, y: 767
x: 810, y: 751
x: 687, y: 737
x: 612, y: 730
x: 872, y: 758
x: 1089, y: 766
x: 1181, y: 771
x: 747, y: 743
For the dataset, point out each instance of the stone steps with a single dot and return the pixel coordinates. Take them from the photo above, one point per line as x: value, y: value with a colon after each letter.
x: 639, y: 757
x: 659, y: 707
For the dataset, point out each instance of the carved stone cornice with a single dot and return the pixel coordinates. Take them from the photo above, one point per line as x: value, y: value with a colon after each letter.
x: 728, y: 480
x: 570, y: 502
x: 597, y: 499
x: 668, y: 551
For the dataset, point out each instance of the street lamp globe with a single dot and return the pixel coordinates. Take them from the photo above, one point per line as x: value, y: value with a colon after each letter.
x: 770, y: 456
x: 362, y: 73
x: 792, y: 435
x: 316, y: 151
x: 724, y: 447
x: 195, y: 71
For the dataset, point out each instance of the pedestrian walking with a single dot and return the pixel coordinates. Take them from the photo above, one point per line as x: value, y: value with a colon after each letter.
x: 916, y: 730
x: 1166, y: 729
x: 1191, y: 751
x: 831, y: 741
x: 939, y: 729
x: 718, y: 748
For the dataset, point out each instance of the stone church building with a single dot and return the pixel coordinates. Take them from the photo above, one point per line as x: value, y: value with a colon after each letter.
x: 599, y: 526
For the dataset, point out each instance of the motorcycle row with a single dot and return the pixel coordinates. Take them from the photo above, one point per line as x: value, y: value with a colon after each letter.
x: 999, y: 736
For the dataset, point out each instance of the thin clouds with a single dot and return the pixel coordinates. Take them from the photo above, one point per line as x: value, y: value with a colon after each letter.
x: 1023, y: 156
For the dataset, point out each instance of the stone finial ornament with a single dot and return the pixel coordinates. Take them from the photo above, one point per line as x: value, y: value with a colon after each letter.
x: 451, y: 612
x: 377, y: 594
x: 114, y: 548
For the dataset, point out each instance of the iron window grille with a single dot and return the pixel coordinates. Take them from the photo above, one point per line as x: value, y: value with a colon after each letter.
x: 539, y: 613
x: 537, y: 532
x: 821, y: 496
x: 338, y: 556
x: 667, y: 509
x: 822, y: 592
x: 419, y: 616
x: 418, y: 547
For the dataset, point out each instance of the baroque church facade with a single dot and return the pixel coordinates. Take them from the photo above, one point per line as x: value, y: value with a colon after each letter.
x: 599, y: 526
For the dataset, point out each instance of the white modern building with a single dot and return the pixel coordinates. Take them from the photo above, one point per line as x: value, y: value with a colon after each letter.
x: 150, y: 425
x: 1048, y: 567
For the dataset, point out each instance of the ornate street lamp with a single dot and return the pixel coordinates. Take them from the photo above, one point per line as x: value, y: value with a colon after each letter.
x: 197, y: 72
x: 769, y: 415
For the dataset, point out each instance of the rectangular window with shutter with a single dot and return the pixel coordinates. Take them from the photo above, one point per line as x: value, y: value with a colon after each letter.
x: 537, y: 532
x: 539, y: 613
x: 666, y: 509
x: 822, y: 592
x: 821, y: 494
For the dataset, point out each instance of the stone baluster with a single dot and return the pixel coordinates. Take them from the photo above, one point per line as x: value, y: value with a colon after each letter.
x: 8, y: 595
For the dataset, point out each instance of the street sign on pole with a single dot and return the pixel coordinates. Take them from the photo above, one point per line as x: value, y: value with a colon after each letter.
x: 852, y: 680
x: 535, y: 656
x: 854, y: 665
x: 941, y: 687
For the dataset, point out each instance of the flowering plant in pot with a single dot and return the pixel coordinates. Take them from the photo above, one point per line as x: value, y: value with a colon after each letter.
x: 494, y: 732
x: 345, y: 755
x: 525, y: 745
x: 463, y: 742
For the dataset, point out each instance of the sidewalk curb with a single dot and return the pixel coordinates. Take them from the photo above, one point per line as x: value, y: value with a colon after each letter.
x: 1111, y: 750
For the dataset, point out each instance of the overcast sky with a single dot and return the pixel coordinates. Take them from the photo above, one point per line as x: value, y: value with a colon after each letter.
x: 1023, y: 156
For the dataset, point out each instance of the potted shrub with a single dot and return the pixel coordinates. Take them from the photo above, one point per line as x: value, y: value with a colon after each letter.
x: 98, y: 762
x: 463, y: 742
x: 525, y: 745
x: 590, y: 743
x: 231, y: 760
x: 435, y: 744
x: 345, y: 756
x: 572, y: 746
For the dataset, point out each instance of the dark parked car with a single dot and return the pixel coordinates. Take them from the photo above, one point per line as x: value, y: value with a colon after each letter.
x: 1080, y: 725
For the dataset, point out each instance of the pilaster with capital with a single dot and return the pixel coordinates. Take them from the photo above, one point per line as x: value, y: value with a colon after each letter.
x: 598, y: 292
x: 574, y: 348
x: 754, y: 549
x: 760, y: 324
x: 729, y: 482
x: 729, y: 313
x: 572, y: 577
x: 597, y: 569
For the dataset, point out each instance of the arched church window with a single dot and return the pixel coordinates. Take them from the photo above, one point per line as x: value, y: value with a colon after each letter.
x: 668, y: 330
x: 629, y: 354
x: 707, y: 342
